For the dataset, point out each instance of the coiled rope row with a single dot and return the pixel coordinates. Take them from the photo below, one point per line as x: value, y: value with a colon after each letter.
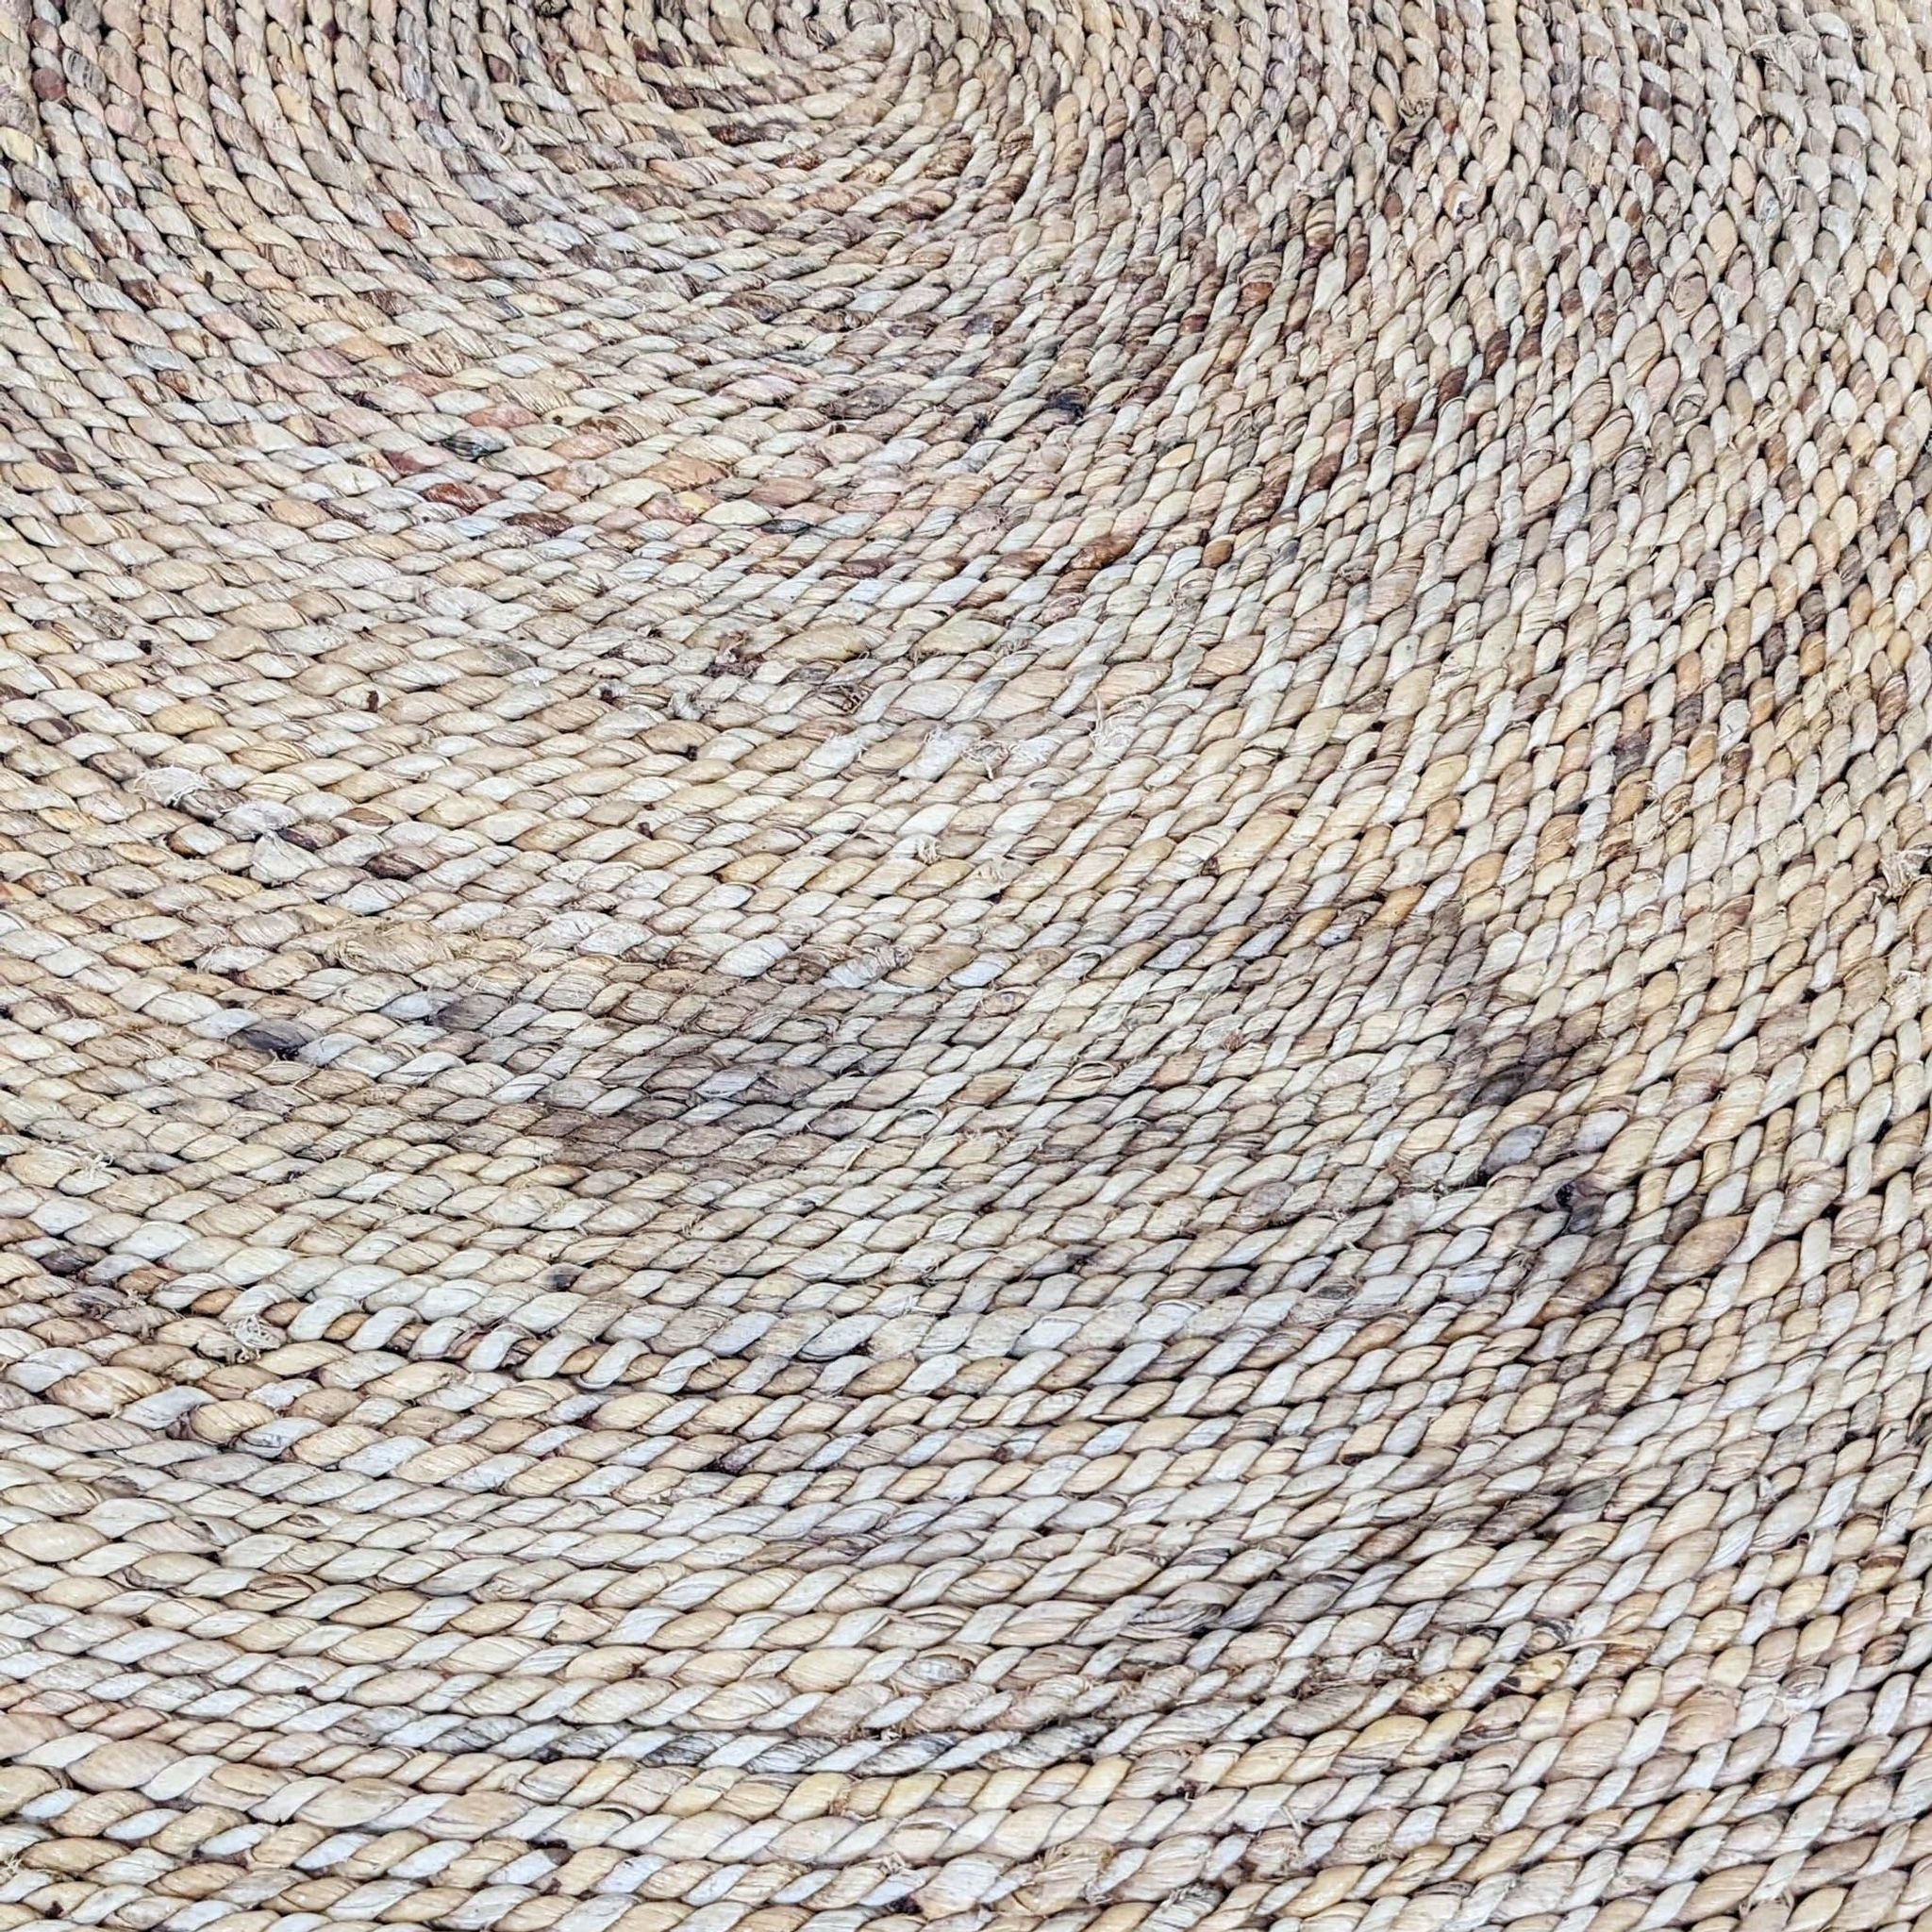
x: 963, y: 965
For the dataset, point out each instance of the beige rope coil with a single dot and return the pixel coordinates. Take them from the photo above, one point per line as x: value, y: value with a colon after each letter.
x: 962, y: 964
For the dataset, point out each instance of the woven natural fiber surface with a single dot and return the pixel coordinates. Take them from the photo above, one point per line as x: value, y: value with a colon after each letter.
x: 963, y: 964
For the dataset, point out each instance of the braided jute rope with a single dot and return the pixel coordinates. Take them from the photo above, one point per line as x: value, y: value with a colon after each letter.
x: 963, y: 964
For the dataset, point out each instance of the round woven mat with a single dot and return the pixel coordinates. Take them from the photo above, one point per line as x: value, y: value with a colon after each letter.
x: 962, y: 964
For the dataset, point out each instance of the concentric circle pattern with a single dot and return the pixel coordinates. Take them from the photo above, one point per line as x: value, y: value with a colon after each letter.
x: 963, y: 963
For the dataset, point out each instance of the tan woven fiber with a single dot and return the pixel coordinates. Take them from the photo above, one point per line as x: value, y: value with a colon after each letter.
x: 963, y: 966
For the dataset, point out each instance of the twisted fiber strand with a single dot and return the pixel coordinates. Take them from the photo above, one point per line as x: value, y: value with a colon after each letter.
x: 961, y: 965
